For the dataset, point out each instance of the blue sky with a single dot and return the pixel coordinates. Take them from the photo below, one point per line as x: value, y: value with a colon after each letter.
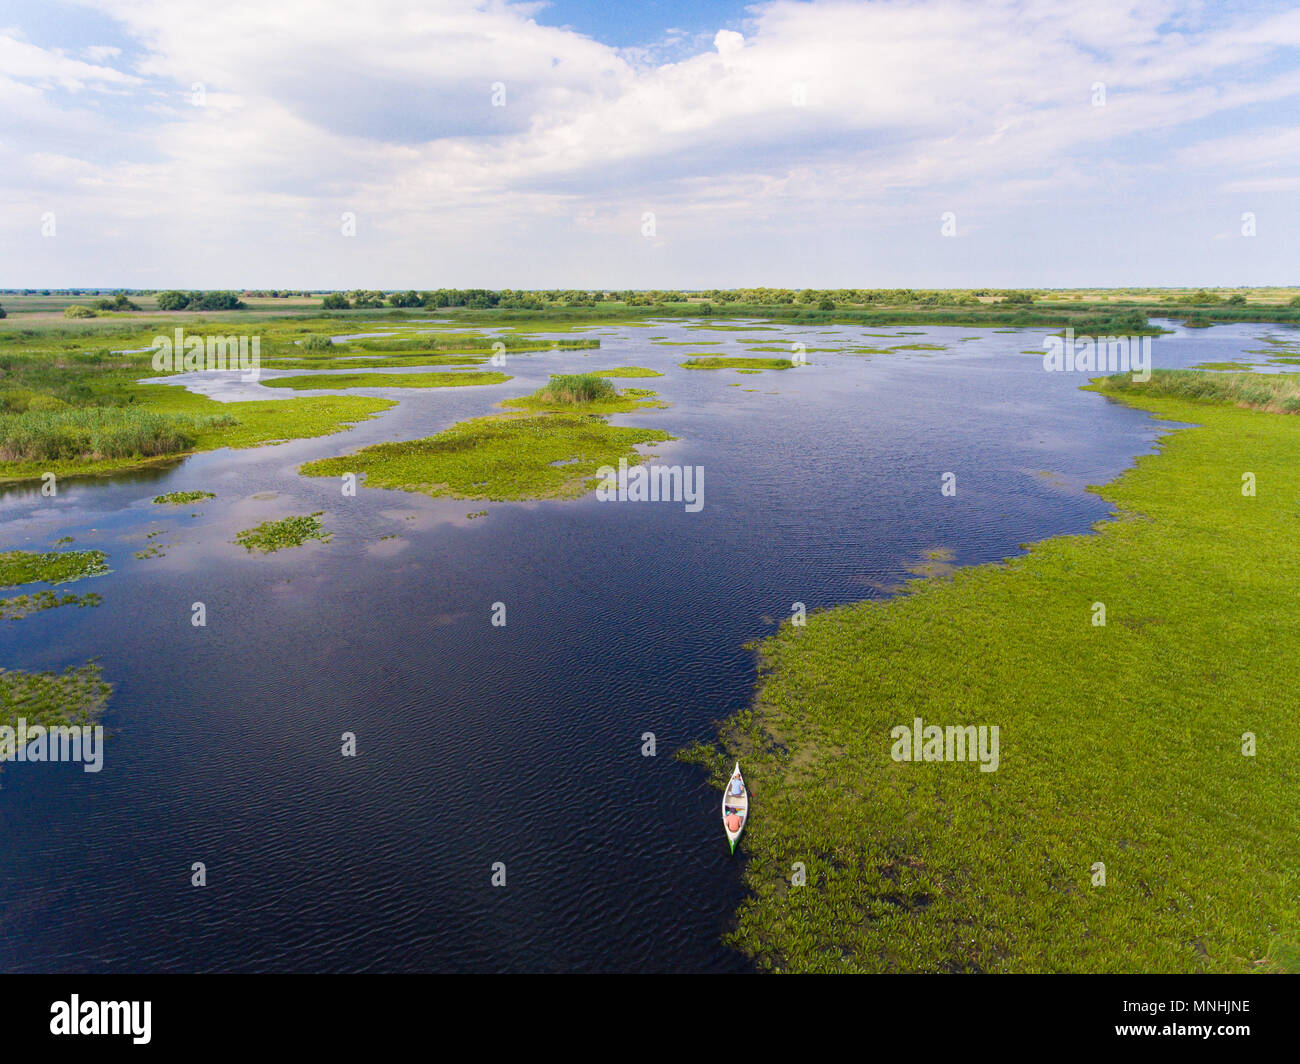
x: 631, y: 25
x: 160, y: 143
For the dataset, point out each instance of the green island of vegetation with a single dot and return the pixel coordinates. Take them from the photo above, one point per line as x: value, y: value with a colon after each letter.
x: 1121, y: 744
x: 552, y: 449
x: 625, y: 371
x: 177, y: 498
x: 738, y: 363
x: 51, y: 567
x: 20, y: 606
x: 588, y: 393
x: 75, y: 696
x: 271, y: 536
x: 454, y: 379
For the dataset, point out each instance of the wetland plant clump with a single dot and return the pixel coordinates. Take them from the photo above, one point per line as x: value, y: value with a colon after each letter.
x: 576, y: 389
x: 13, y: 609
x: 584, y: 393
x: 177, y: 498
x: 72, y: 697
x: 52, y: 567
x: 271, y: 536
x: 729, y: 362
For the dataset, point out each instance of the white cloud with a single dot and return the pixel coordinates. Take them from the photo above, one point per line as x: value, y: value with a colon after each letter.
x: 25, y: 62
x: 97, y: 53
x: 728, y: 42
x: 820, y: 111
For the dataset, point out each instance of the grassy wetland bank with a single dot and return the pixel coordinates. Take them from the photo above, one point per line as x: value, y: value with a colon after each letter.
x: 73, y: 401
x: 1142, y: 814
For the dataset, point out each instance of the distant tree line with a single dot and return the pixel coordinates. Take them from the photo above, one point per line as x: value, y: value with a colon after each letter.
x: 176, y: 300
x: 510, y: 299
x: 1209, y: 299
x: 486, y: 299
x: 823, y: 300
x: 118, y: 302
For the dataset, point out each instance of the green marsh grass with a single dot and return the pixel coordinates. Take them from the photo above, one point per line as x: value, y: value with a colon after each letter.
x: 99, y: 433
x: 1272, y: 392
x: 550, y: 452
x: 199, y: 422
x: 576, y: 389
x: 542, y: 456
x: 626, y: 371
x: 71, y: 404
x: 729, y: 362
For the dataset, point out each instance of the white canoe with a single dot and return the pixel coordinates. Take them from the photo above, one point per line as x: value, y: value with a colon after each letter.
x: 735, y: 807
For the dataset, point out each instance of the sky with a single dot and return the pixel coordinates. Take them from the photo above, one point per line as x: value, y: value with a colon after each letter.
x: 651, y: 144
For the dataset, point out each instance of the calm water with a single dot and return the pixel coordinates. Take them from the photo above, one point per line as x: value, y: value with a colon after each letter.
x: 477, y: 743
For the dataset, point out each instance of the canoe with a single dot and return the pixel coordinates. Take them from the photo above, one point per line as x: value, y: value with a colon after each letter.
x: 735, y: 807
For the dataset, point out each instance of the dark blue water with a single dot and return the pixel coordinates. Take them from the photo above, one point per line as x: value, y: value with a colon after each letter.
x: 482, y: 744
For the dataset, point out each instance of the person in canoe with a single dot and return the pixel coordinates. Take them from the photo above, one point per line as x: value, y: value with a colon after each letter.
x: 735, y: 806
